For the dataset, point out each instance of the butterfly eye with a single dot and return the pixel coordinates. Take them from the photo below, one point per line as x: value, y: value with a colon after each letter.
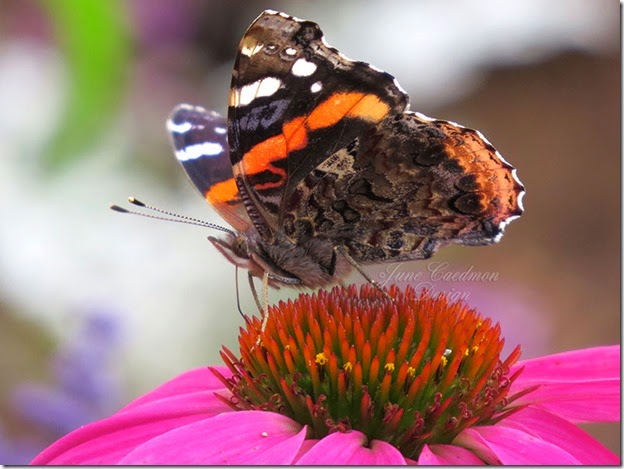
x: 241, y: 247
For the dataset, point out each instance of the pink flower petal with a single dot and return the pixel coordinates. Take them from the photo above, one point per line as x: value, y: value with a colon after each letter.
x: 563, y: 434
x: 351, y: 449
x: 568, y: 381
x: 574, y: 365
x: 107, y: 441
x: 245, y: 437
x: 199, y: 379
x: 305, y: 447
x: 502, y: 445
x: 448, y: 455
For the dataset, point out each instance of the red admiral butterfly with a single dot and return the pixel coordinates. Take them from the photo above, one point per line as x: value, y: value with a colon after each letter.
x: 321, y: 167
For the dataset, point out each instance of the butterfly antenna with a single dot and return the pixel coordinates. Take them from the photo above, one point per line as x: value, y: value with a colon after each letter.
x: 175, y: 217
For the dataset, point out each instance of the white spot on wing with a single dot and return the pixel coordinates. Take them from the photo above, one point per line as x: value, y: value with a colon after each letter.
x: 249, y: 51
x: 268, y: 86
x: 220, y: 130
x: 290, y: 51
x: 247, y: 93
x: 201, y: 149
x: 178, y: 128
x: 316, y: 87
x: 265, y: 87
x: 303, y: 68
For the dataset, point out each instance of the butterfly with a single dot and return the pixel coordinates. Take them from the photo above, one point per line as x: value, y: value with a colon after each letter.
x: 320, y: 167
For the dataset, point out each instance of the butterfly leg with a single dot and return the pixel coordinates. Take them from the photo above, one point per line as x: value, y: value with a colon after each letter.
x: 358, y: 267
x: 254, y: 292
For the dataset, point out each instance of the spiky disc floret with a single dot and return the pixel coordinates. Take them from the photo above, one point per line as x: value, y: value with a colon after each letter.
x: 412, y: 371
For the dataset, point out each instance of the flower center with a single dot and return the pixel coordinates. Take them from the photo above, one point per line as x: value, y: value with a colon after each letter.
x: 412, y: 371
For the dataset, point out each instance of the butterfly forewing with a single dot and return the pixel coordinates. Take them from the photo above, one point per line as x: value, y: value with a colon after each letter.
x: 294, y: 102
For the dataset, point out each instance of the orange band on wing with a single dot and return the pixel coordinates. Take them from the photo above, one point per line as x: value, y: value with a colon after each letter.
x: 332, y: 110
x: 260, y: 157
x: 222, y: 192
x: 370, y: 108
x: 294, y: 134
x: 363, y: 106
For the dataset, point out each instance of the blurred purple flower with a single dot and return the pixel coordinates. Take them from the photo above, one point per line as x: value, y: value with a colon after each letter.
x: 157, y: 23
x: 17, y: 451
x: 85, y: 389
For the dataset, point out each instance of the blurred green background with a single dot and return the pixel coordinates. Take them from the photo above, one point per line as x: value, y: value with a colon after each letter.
x: 86, y: 87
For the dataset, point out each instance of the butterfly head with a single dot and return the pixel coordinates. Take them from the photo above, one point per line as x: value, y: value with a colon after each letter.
x: 235, y: 248
x: 312, y: 264
x: 245, y: 250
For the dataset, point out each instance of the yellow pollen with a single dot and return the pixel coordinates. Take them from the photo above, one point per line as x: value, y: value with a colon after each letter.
x: 411, y: 372
x: 474, y: 349
x: 467, y: 352
x: 389, y: 367
x: 347, y: 367
x: 287, y: 347
x: 321, y: 359
x: 443, y: 361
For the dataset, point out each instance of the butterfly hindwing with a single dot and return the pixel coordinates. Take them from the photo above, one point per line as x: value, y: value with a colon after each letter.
x: 405, y: 189
x: 199, y: 139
